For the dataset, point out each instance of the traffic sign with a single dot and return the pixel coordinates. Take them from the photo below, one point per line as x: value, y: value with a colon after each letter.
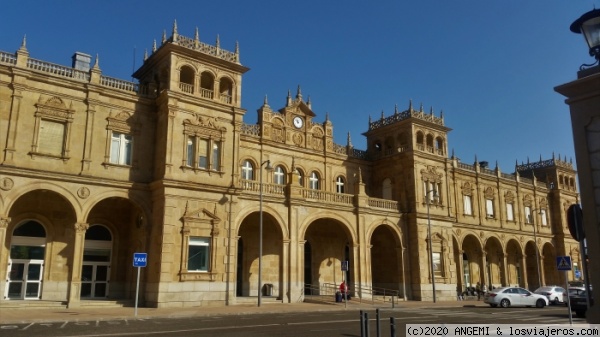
x: 344, y: 265
x: 578, y: 274
x: 575, y: 222
x: 139, y: 259
x: 563, y: 263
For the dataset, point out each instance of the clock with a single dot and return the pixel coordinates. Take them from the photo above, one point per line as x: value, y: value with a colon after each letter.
x: 298, y: 122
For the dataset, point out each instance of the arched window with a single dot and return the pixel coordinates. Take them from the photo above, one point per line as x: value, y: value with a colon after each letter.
x: 226, y: 91
x: 186, y: 79
x: 95, y: 269
x: 420, y: 141
x: 386, y: 189
x: 279, y: 175
x: 339, y: 184
x: 247, y: 170
x: 26, y: 262
x: 207, y: 85
x: 439, y: 145
x: 430, y: 143
x: 313, y: 181
x: 300, y: 177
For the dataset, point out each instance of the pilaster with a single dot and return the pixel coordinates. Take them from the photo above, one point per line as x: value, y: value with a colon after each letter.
x: 74, y: 299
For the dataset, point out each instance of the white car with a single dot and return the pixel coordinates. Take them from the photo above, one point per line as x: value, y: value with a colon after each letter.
x: 554, y: 294
x: 514, y: 296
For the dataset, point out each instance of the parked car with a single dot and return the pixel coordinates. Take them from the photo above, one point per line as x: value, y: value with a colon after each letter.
x: 572, y: 291
x: 578, y: 303
x: 514, y: 296
x: 554, y: 294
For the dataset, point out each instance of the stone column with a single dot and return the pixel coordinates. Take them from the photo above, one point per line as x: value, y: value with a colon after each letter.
x: 524, y: 272
x: 4, y: 221
x: 485, y: 269
x: 77, y: 259
x: 542, y: 270
x: 461, y: 270
x: 285, y: 292
x: 504, y: 279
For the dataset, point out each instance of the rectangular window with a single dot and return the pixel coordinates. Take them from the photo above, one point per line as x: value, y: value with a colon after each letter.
x: 510, y: 214
x: 120, y: 148
x: 437, y: 264
x: 528, y: 218
x: 203, y: 153
x: 489, y: 208
x: 190, y: 151
x: 468, y: 209
x: 198, y: 253
x: 216, y: 156
x: 544, y: 219
x: 52, y: 137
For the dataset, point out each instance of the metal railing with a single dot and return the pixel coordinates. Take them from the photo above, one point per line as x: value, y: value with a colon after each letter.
x: 326, y: 292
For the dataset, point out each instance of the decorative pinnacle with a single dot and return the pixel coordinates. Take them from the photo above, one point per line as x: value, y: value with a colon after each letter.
x: 96, y: 63
x: 431, y: 111
x: 154, y: 46
x: 308, y: 103
x: 164, y: 37
x: 421, y: 109
x: 175, y: 31
x: 145, y: 54
x: 197, y: 35
x: 289, y: 98
x: 382, y: 115
x: 299, y: 93
x: 410, y: 107
x: 237, y: 48
x: 24, y: 43
x: 349, y: 141
x: 395, y: 109
x: 218, y: 42
x: 266, y: 101
x: 326, y: 116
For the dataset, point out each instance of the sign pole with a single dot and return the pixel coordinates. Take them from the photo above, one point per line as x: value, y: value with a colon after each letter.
x: 568, y: 298
x: 139, y: 260
x: 137, y: 290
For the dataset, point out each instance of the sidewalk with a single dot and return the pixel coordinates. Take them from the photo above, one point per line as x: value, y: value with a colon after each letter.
x: 20, y: 316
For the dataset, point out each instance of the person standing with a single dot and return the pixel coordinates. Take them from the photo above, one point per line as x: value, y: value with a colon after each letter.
x: 344, y: 290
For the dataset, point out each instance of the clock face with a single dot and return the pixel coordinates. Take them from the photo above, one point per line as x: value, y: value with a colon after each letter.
x: 298, y: 122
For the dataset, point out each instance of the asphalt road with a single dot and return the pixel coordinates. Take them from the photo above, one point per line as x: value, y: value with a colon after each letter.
x: 344, y: 323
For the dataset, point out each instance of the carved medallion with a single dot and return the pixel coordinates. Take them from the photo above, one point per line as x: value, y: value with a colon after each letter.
x: 6, y: 184
x: 83, y: 192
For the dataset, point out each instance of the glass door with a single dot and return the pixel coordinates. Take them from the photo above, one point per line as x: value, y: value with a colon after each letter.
x: 24, y: 280
x: 94, y: 280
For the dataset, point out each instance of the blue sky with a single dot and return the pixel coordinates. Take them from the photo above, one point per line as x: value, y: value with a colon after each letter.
x: 491, y: 66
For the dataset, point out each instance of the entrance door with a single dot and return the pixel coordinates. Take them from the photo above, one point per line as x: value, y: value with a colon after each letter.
x: 94, y: 280
x: 24, y: 279
x: 95, y: 267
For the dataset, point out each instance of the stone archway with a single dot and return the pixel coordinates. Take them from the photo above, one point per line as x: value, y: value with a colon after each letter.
x: 494, y: 263
x: 330, y: 245
x: 386, y: 262
x: 248, y: 257
x: 514, y: 264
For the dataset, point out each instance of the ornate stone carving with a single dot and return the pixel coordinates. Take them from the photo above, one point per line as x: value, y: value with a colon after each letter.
x: 466, y: 189
x: 509, y: 197
x: 4, y: 222
x: 81, y: 227
x: 297, y: 139
x: 83, y: 192
x: 6, y: 184
x: 489, y: 193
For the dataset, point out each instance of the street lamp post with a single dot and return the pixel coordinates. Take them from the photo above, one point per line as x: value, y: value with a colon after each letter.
x: 537, y: 254
x: 429, y: 236
x: 260, y: 227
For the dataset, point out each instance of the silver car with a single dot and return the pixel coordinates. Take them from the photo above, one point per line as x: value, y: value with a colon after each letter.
x: 514, y: 296
x: 554, y: 294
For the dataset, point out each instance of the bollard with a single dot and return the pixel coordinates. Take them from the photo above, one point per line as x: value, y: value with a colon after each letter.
x: 393, y: 302
x: 377, y: 322
x: 362, y: 324
x: 367, y: 332
x: 392, y: 327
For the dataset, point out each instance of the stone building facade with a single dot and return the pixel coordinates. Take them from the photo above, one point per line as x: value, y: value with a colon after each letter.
x: 94, y: 169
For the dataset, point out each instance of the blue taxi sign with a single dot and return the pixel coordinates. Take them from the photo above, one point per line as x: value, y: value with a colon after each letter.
x: 139, y: 259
